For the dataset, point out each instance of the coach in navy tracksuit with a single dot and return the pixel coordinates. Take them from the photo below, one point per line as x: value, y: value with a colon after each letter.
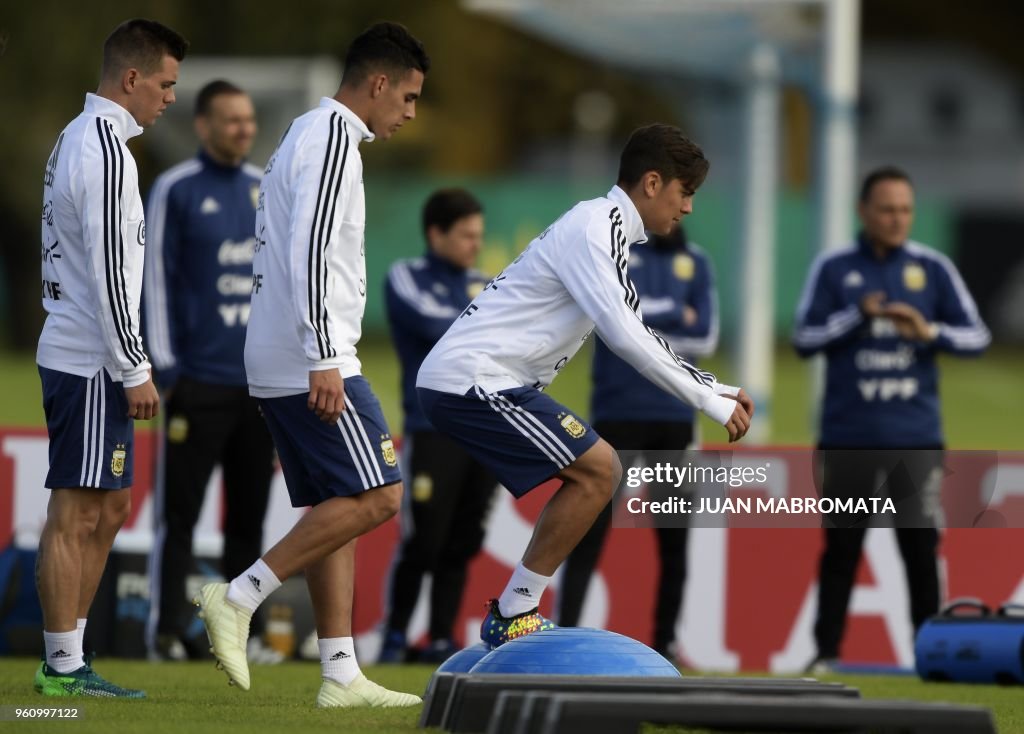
x: 881, y: 311
x: 447, y: 492
x: 198, y: 277
x: 675, y: 281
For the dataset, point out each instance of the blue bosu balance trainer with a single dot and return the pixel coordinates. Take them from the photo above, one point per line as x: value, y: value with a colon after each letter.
x: 576, y: 651
x: 464, y: 659
x: 967, y: 643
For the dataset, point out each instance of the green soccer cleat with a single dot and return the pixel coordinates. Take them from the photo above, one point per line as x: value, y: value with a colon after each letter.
x: 227, y: 627
x: 83, y: 682
x: 362, y: 693
x: 37, y: 682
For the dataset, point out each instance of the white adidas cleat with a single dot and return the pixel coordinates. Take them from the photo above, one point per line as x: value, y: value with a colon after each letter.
x: 362, y: 693
x: 227, y: 627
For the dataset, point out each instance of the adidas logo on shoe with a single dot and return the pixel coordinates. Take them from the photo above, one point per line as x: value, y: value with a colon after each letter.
x: 254, y: 581
x: 340, y: 655
x: 521, y: 590
x: 60, y: 655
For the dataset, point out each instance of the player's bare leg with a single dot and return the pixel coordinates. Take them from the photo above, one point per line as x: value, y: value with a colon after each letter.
x: 331, y: 581
x: 116, y: 507
x: 318, y: 535
x: 71, y: 518
x: 329, y: 526
x: 588, y: 485
x: 70, y: 564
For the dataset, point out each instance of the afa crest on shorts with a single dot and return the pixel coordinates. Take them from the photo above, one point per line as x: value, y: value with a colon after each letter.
x: 572, y: 425
x: 387, y: 451
x: 117, y: 460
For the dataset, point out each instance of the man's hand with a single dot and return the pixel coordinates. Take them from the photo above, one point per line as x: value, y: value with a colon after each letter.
x: 739, y: 423
x: 871, y: 304
x: 689, y: 316
x: 909, y: 322
x: 326, y: 394
x: 746, y: 401
x: 143, y: 401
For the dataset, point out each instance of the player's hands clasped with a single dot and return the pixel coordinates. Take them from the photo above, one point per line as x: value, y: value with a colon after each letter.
x: 326, y: 394
x: 739, y: 423
x: 143, y: 401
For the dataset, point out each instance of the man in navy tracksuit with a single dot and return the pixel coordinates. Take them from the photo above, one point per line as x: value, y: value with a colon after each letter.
x: 448, y: 493
x: 881, y: 311
x: 675, y: 281
x: 198, y: 278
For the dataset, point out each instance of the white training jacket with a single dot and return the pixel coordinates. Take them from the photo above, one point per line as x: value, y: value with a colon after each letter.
x: 533, y: 317
x: 93, y: 237
x: 309, y: 272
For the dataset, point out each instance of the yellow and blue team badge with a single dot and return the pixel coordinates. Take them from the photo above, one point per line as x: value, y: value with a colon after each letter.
x: 387, y: 451
x: 683, y: 267
x: 177, y: 429
x: 572, y: 425
x: 914, y: 278
x: 474, y: 289
x: 117, y: 460
x: 254, y: 194
x: 422, y: 488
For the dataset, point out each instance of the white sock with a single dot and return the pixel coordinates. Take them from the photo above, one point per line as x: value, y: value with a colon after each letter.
x: 81, y: 633
x: 63, y: 650
x: 523, y: 591
x: 338, y: 659
x: 252, y: 587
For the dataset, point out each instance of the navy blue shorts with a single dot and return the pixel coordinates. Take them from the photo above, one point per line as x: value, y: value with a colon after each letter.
x: 323, y: 460
x: 521, y: 434
x: 91, y: 436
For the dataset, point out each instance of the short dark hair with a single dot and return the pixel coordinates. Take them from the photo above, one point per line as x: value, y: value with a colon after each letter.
x: 447, y: 206
x: 204, y: 100
x: 386, y: 47
x: 141, y: 44
x: 885, y: 173
x: 662, y: 148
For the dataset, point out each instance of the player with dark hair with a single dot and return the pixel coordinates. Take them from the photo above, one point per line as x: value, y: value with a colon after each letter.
x: 443, y: 514
x: 880, y: 311
x: 202, y: 215
x: 675, y: 281
x: 482, y: 384
x: 308, y: 297
x: 94, y: 370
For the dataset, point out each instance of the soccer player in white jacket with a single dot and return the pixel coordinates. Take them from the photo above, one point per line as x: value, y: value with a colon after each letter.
x: 482, y: 383
x: 94, y: 370
x: 308, y: 296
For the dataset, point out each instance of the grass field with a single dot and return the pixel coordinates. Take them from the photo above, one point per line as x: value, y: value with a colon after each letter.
x: 981, y: 398
x: 195, y: 698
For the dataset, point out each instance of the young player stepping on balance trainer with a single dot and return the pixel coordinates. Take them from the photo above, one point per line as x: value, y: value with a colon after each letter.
x: 482, y: 383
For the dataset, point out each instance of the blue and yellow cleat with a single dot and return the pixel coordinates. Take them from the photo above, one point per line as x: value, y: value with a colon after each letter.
x: 496, y: 630
x: 83, y: 682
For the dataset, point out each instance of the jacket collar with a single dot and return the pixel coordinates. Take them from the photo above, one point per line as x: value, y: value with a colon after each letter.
x: 124, y: 124
x: 633, y: 225
x: 350, y: 117
x: 214, y: 165
x: 445, y: 266
x: 865, y: 248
